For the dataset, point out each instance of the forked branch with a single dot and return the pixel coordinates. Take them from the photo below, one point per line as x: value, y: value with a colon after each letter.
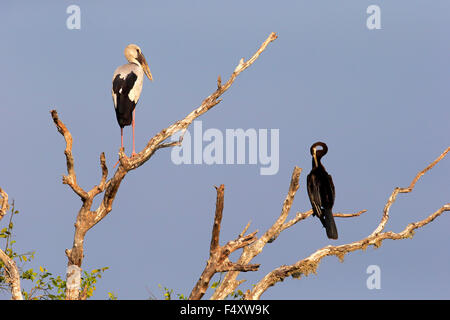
x: 219, y: 255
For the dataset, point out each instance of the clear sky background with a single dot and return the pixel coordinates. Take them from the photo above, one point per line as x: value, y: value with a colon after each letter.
x: 378, y: 98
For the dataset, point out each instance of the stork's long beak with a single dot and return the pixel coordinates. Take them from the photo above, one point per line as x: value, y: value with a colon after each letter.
x: 144, y: 65
x: 315, y: 157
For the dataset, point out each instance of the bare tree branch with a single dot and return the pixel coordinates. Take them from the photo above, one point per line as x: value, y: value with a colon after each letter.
x: 12, y: 274
x: 349, y: 215
x: 87, y: 218
x: 218, y: 256
x: 394, y: 194
x: 71, y: 178
x: 101, y: 186
x: 217, y: 218
x: 4, y: 205
x: 303, y: 215
x: 310, y: 264
x: 229, y: 283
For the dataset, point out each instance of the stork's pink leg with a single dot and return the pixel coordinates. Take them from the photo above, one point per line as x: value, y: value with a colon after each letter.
x: 121, y: 143
x: 132, y: 124
x: 121, y: 136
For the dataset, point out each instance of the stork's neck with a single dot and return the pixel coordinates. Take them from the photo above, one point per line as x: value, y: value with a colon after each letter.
x: 134, y: 61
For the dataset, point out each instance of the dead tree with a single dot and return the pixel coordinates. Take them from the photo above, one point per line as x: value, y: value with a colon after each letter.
x: 88, y: 217
x: 218, y: 261
x: 253, y: 246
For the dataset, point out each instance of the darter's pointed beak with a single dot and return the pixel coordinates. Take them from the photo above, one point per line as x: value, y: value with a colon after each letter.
x: 315, y: 157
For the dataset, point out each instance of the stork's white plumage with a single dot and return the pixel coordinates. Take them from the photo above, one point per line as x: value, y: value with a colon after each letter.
x: 127, y: 87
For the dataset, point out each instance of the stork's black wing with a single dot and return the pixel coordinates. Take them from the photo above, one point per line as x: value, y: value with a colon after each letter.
x: 123, y: 105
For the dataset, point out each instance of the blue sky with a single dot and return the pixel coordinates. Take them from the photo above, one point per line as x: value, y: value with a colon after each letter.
x: 378, y: 98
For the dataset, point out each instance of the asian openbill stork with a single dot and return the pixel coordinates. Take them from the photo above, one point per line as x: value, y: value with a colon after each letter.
x: 127, y: 87
x: 321, y: 190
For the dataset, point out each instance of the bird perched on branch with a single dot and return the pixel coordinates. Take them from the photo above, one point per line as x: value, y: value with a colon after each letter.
x: 321, y: 190
x: 127, y: 87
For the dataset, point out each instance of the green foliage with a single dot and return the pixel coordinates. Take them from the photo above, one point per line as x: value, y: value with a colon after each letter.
x: 237, y: 295
x: 44, y: 285
x: 112, y: 296
x: 169, y: 292
x: 6, y: 235
x: 89, y: 280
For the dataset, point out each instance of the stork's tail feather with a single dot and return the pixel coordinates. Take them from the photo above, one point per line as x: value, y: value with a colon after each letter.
x: 327, y: 220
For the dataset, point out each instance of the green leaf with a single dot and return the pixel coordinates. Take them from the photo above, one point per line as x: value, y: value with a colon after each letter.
x: 112, y: 296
